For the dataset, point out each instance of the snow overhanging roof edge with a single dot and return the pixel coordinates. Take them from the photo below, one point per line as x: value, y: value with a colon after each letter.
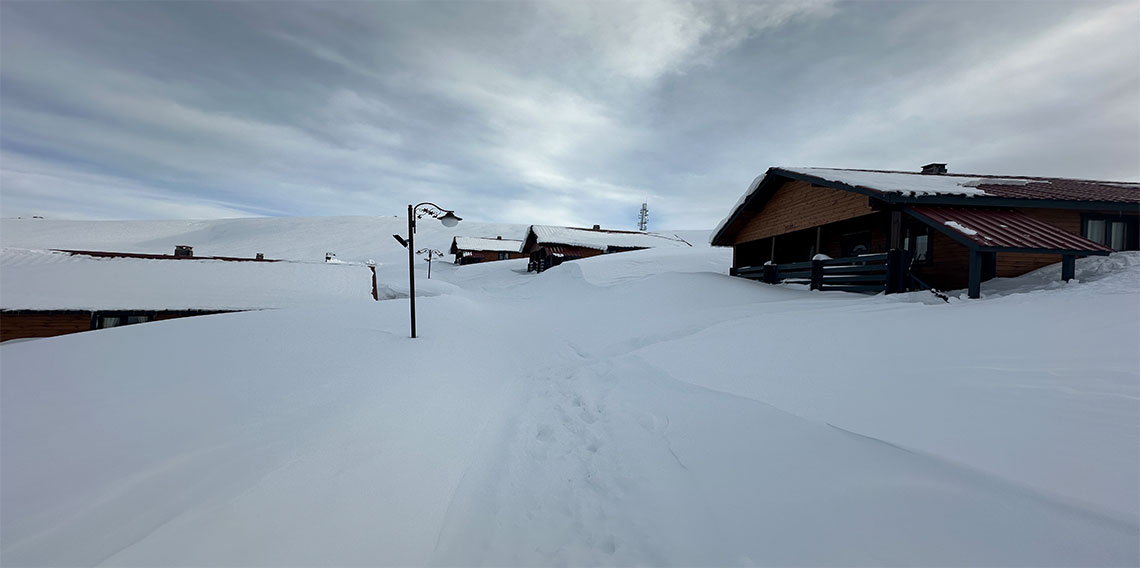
x: 942, y: 189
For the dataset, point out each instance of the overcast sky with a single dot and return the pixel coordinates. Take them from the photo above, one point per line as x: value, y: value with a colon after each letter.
x: 541, y: 112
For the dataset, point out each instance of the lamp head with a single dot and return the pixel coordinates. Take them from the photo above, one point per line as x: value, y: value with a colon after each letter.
x: 449, y: 219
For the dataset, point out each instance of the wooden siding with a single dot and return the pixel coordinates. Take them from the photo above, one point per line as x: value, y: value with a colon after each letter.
x: 797, y: 205
x: 18, y: 326
x: 32, y: 323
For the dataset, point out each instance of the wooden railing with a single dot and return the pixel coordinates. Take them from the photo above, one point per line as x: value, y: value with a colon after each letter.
x: 883, y: 272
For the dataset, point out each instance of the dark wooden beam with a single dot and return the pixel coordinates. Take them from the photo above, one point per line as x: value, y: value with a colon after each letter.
x: 1068, y: 267
x: 896, y: 230
x: 975, y: 288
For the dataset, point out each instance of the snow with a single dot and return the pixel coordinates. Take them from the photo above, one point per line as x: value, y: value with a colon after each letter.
x: 634, y: 408
x: 905, y: 183
x: 960, y: 228
x: 477, y: 243
x: 889, y: 182
x: 752, y: 187
x: 602, y: 240
x: 46, y: 280
x: 352, y: 239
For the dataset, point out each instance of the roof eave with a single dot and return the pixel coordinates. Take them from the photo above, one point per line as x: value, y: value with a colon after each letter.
x: 760, y: 187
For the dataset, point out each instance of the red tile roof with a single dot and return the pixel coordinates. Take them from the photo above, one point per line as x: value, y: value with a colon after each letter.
x: 1059, y: 188
x: 997, y: 229
x: 1007, y: 187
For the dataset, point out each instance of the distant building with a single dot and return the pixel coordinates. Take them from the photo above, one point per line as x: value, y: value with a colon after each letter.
x: 940, y: 230
x: 549, y: 246
x: 469, y: 250
x: 49, y: 293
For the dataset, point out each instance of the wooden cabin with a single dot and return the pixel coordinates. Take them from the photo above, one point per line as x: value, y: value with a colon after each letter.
x: 51, y: 292
x: 838, y: 228
x: 548, y: 246
x: 470, y: 250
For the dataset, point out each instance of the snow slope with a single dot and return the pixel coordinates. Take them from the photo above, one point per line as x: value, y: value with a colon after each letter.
x: 288, y: 238
x: 47, y: 280
x: 636, y: 408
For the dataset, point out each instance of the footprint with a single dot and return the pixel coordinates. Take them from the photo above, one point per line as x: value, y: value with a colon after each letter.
x: 545, y: 434
x: 609, y: 546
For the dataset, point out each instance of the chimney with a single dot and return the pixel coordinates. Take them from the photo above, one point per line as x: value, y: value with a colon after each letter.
x: 597, y: 227
x: 934, y: 169
x: 499, y: 238
x: 183, y: 250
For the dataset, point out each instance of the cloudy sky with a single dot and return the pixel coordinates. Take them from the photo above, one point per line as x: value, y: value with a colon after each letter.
x: 543, y: 112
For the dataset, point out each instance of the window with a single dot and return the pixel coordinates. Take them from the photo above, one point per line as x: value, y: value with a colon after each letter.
x: 918, y: 242
x: 103, y: 321
x: 504, y: 255
x: 1114, y: 232
x: 854, y: 244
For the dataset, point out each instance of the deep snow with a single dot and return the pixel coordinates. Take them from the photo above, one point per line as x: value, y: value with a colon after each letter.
x: 636, y: 408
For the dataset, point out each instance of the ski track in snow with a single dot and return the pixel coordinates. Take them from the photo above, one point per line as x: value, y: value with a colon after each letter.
x: 590, y: 415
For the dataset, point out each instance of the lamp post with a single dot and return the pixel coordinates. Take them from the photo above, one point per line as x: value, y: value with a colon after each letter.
x: 445, y: 216
x: 429, y: 252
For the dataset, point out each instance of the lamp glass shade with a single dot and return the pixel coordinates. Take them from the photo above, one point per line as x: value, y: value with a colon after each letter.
x: 449, y: 219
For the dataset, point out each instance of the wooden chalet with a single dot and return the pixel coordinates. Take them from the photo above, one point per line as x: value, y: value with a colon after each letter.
x: 549, y: 246
x: 470, y: 250
x: 56, y: 292
x: 874, y: 230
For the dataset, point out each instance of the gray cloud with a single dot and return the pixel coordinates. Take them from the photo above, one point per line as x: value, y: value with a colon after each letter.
x: 541, y: 112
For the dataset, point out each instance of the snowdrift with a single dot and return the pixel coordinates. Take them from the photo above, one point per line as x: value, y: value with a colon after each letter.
x: 636, y: 408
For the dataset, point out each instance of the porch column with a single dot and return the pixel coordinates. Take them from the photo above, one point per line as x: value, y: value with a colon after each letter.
x: 1068, y: 267
x: 896, y: 230
x: 772, y: 255
x: 975, y: 288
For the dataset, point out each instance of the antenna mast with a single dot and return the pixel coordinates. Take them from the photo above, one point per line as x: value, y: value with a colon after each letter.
x: 643, y: 217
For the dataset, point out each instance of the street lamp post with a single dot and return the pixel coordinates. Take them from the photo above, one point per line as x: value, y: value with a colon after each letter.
x: 429, y: 251
x: 445, y: 216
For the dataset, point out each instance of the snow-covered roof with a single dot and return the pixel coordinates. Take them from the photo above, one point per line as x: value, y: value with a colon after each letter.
x: 601, y: 239
x: 50, y: 280
x: 486, y: 243
x: 933, y: 186
x: 913, y: 184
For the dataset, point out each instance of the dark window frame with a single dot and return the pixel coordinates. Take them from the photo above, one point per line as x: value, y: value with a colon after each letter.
x: 1131, y: 228
x: 910, y: 243
x: 98, y: 319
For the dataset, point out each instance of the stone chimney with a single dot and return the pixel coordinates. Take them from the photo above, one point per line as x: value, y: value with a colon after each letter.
x: 934, y: 169
x: 183, y: 250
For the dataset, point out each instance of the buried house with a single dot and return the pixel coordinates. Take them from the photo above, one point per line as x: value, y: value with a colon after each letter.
x: 470, y: 250
x: 48, y: 293
x: 872, y: 230
x: 549, y: 246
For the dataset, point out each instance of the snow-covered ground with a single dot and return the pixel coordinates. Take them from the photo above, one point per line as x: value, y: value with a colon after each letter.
x: 636, y: 408
x: 49, y: 280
